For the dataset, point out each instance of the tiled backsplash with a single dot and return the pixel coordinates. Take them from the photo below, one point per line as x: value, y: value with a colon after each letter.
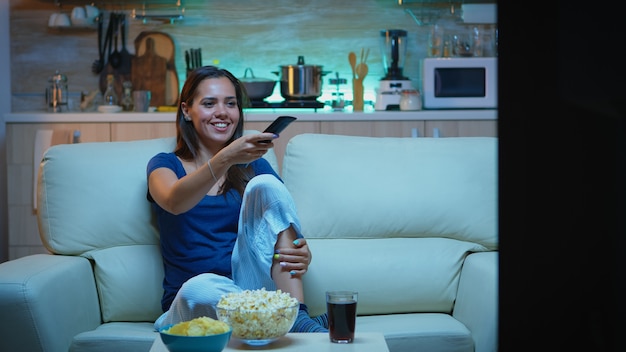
x: 262, y: 35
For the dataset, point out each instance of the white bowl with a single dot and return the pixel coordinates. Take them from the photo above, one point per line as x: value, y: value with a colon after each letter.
x: 205, y: 343
x: 259, y: 327
x: 109, y: 108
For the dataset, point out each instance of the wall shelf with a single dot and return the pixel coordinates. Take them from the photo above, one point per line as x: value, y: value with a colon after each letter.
x: 147, y: 11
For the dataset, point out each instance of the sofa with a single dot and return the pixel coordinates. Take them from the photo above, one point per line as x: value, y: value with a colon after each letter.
x: 409, y: 223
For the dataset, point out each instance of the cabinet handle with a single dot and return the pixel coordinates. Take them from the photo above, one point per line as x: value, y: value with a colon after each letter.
x: 435, y: 132
x: 415, y: 132
x: 76, y: 137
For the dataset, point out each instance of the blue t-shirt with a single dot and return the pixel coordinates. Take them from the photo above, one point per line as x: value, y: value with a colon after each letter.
x: 202, y: 239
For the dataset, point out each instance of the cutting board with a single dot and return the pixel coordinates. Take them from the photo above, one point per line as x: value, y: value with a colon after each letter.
x: 154, y: 69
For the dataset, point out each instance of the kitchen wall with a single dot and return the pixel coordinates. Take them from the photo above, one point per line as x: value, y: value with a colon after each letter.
x: 262, y: 35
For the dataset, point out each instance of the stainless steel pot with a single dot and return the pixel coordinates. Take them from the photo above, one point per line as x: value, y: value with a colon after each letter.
x: 257, y: 88
x: 300, y: 81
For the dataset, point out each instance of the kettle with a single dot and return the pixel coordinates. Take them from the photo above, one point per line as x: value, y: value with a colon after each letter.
x: 56, y: 93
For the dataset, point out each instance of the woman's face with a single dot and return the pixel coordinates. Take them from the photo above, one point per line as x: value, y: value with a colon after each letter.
x: 214, y: 113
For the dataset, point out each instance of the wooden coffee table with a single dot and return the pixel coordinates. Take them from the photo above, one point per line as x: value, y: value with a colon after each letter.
x: 305, y: 342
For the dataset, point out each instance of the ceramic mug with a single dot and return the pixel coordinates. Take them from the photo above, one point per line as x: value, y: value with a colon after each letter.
x: 79, y: 16
x: 62, y: 20
x: 52, y: 20
x: 141, y: 99
x: 91, y: 12
x: 79, y: 13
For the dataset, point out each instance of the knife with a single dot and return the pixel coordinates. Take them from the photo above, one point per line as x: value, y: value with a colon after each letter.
x: 187, y: 59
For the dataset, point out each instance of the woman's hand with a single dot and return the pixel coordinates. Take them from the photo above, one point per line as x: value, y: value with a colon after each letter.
x: 248, y: 148
x: 295, y: 259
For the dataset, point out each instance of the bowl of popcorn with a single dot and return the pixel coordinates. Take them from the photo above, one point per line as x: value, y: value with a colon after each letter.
x: 258, y: 317
x: 202, y: 334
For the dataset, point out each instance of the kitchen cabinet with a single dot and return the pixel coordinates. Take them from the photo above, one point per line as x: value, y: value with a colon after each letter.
x: 129, y: 131
x: 468, y: 128
x: 22, y: 167
x: 415, y: 128
x: 374, y: 128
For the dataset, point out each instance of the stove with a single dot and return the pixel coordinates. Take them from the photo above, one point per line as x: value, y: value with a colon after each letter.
x: 289, y: 104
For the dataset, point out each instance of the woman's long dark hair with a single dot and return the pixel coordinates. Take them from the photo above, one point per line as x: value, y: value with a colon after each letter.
x: 187, y: 142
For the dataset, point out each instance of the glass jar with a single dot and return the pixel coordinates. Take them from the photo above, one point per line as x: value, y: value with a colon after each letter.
x: 56, y: 93
x: 127, y: 99
x: 110, y: 97
x: 410, y: 100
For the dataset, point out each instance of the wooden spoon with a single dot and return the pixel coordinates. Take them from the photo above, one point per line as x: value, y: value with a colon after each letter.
x: 352, y: 60
x: 361, y: 71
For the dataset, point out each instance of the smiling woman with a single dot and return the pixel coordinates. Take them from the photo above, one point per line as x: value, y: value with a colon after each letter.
x: 208, y: 194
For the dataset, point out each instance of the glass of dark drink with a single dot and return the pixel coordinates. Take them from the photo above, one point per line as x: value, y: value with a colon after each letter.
x: 341, y: 308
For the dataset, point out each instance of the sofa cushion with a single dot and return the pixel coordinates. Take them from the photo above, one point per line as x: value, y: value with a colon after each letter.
x: 402, y: 187
x: 431, y: 332
x: 129, y: 281
x: 392, y: 275
x: 93, y: 195
x: 116, y: 337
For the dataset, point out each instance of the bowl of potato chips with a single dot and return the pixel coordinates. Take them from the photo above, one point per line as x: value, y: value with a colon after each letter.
x: 202, y: 334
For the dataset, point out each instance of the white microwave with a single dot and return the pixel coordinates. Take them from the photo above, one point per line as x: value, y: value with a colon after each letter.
x: 460, y: 83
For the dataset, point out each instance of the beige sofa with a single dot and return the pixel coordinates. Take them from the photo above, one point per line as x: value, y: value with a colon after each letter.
x: 410, y: 223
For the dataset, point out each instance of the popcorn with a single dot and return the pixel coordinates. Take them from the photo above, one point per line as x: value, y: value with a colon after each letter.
x: 258, y: 314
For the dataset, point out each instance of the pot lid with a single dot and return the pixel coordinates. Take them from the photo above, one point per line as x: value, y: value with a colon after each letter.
x: 301, y: 63
x: 252, y: 78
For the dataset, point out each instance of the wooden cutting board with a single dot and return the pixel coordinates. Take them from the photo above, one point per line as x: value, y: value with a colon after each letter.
x: 154, y: 69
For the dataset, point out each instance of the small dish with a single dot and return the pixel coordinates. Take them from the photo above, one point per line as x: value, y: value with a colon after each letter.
x: 206, y: 343
x: 109, y: 108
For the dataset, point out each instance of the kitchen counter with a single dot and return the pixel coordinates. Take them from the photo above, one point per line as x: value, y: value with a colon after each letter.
x: 257, y: 115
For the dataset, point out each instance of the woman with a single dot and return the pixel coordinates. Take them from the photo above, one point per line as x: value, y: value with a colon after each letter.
x: 226, y: 221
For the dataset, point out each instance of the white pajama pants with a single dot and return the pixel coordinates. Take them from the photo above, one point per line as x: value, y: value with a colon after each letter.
x: 267, y: 209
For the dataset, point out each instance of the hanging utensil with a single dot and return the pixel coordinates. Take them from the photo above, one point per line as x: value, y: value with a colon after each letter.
x: 98, y: 64
x: 125, y: 55
x: 108, y: 47
x: 115, y: 59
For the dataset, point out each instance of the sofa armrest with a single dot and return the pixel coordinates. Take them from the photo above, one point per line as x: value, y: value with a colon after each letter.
x: 45, y: 301
x: 476, y: 304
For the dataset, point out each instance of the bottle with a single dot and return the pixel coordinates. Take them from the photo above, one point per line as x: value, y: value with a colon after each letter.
x: 127, y: 99
x: 110, y: 97
x: 56, y: 92
x: 435, y: 40
x: 453, y: 33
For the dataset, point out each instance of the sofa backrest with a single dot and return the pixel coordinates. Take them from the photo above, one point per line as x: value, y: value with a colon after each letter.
x: 92, y: 202
x: 392, y: 218
x: 369, y: 187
